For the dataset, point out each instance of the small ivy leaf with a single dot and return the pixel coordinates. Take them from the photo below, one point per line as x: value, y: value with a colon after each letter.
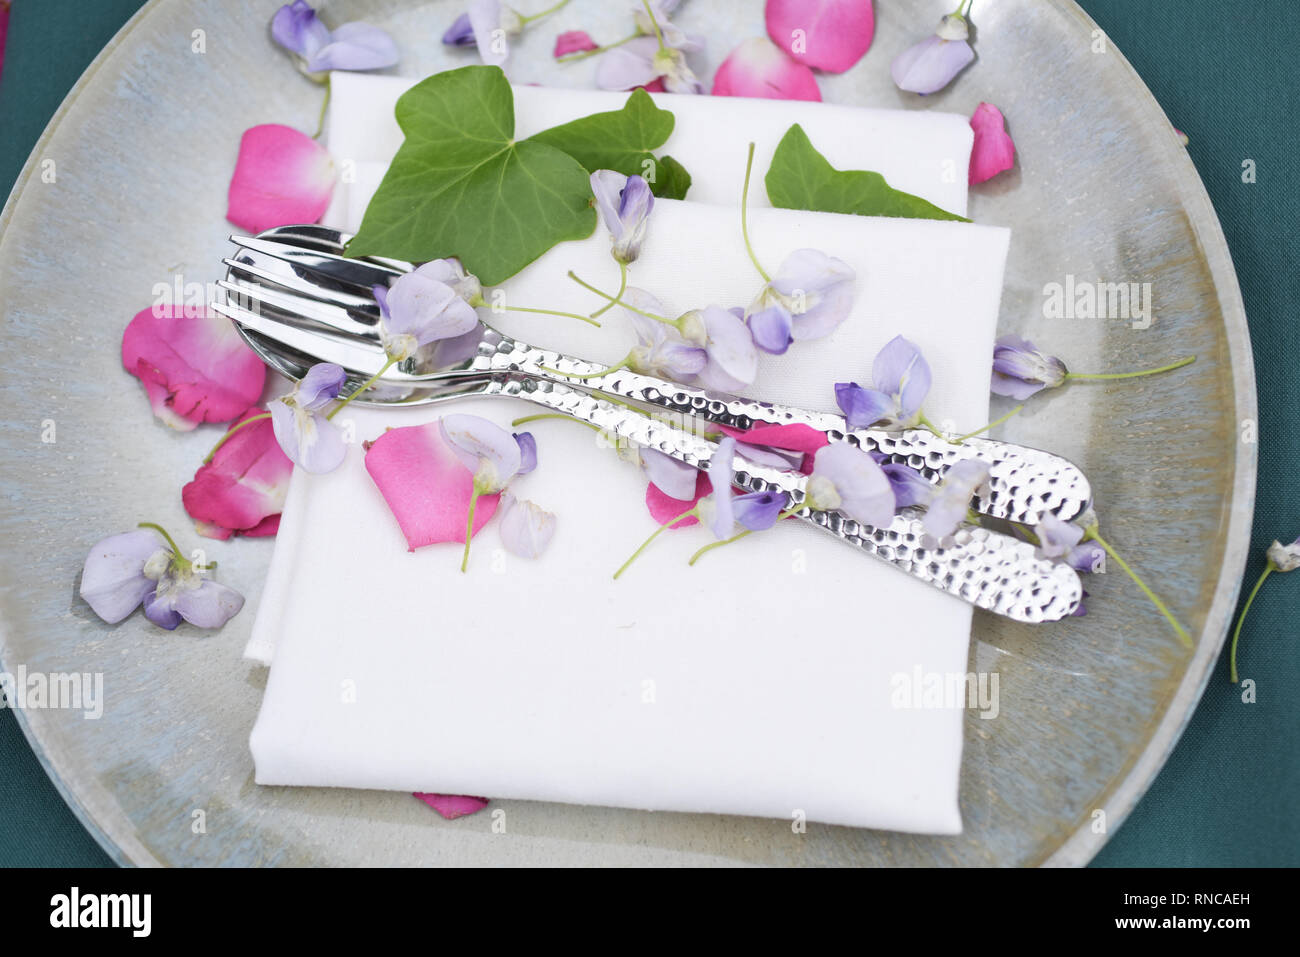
x: 623, y: 140
x: 801, y: 178
x: 461, y: 186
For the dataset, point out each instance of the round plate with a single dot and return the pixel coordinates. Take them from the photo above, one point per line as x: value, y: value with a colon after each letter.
x: 126, y: 192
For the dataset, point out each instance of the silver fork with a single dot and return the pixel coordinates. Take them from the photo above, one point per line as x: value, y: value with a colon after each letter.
x: 991, y: 570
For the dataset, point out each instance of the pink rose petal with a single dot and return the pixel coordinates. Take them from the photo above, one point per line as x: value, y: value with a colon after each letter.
x: 282, y: 178
x: 574, y: 41
x: 193, y: 365
x: 242, y: 490
x: 994, y: 150
x: 452, y: 806
x: 759, y: 68
x: 795, y: 438
x: 664, y: 508
x: 830, y: 35
x: 425, y: 485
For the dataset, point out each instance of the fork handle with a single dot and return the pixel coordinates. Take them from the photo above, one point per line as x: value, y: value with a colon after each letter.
x: 1023, y: 483
x: 989, y: 570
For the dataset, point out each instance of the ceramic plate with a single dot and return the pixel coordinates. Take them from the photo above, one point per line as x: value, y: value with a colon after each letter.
x: 127, y: 189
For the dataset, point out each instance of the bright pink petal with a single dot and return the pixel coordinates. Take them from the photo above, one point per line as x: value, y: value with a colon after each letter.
x: 243, y: 487
x: 193, y: 365
x: 795, y: 438
x: 830, y: 35
x: 761, y: 69
x: 574, y: 41
x: 654, y: 86
x: 994, y: 150
x: 664, y: 508
x: 452, y: 806
x: 282, y: 178
x: 425, y: 485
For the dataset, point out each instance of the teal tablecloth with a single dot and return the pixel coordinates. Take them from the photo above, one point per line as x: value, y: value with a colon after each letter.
x: 1225, y: 74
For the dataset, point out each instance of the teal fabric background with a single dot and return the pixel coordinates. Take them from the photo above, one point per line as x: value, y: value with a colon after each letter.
x: 1225, y: 74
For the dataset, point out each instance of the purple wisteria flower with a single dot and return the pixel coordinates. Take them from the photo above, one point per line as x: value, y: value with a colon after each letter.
x: 932, y: 64
x: 353, y: 46
x: 849, y: 479
x: 460, y: 33
x: 525, y: 528
x: 492, y: 454
x: 900, y: 377
x: 1064, y: 541
x: 910, y: 486
x: 305, y: 433
x: 1285, y: 558
x: 950, y: 501
x: 641, y: 61
x: 722, y: 510
x: 660, y: 350
x: 673, y: 477
x: 123, y: 571
x: 527, y: 451
x: 427, y: 305
x: 731, y: 357
x: 492, y: 25
x: 624, y: 204
x: 1020, y: 369
x: 810, y: 295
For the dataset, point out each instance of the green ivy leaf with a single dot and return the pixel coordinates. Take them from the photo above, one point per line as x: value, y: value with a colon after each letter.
x: 461, y: 186
x: 623, y: 140
x: 801, y: 178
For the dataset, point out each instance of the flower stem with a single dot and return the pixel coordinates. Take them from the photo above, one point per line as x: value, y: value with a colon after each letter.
x: 553, y: 415
x: 622, y: 364
x: 320, y: 123
x: 231, y: 431
x: 551, y: 312
x: 469, y: 529
x: 925, y: 423
x: 525, y: 20
x: 744, y: 216
x: 994, y: 424
x: 622, y: 288
x: 361, y: 388
x: 583, y: 54
x: 1092, y: 534
x: 659, y: 35
x: 1236, y: 634
x: 694, y: 510
x: 616, y: 301
x: 1131, y: 375
x: 739, y: 535
x: 163, y: 532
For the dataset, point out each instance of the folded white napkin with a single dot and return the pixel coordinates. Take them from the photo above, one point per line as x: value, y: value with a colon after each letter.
x: 761, y: 682
x: 923, y: 153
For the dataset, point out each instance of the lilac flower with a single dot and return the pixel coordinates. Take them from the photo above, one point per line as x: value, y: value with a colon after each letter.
x: 425, y: 306
x: 460, y: 33
x: 784, y: 459
x: 526, y: 529
x: 1285, y: 558
x: 930, y: 65
x: 950, y: 501
x: 305, y: 433
x: 756, y: 511
x: 910, y: 486
x: 810, y: 295
x: 673, y: 477
x: 123, y: 571
x: 1063, y: 540
x: 1020, y: 369
x: 487, y: 450
x: 527, y: 451
x: 732, y: 359
x: 901, y: 379
x: 848, y: 479
x: 661, y: 350
x: 353, y: 46
x: 641, y: 61
x: 624, y: 203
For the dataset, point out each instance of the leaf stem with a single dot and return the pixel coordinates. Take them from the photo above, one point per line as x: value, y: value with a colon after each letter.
x: 622, y: 288
x: 1236, y: 634
x: 1131, y: 375
x: 361, y: 388
x: 744, y: 216
x: 231, y: 431
x: 992, y: 425
x: 1092, y: 534
x: 694, y: 510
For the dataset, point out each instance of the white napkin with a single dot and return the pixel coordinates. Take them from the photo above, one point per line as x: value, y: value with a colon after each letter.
x: 923, y: 153
x: 760, y: 682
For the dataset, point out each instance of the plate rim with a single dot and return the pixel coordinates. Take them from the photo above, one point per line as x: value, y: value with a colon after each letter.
x: 1081, y: 844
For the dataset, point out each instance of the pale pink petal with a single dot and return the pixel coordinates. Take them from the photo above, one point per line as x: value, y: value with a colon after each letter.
x: 759, y: 68
x: 243, y: 487
x: 994, y: 150
x: 664, y: 508
x: 830, y: 35
x: 282, y: 178
x: 574, y: 41
x: 425, y: 485
x: 193, y: 365
x: 452, y: 806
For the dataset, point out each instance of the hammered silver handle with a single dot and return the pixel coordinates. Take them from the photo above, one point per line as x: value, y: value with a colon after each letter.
x: 990, y: 570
